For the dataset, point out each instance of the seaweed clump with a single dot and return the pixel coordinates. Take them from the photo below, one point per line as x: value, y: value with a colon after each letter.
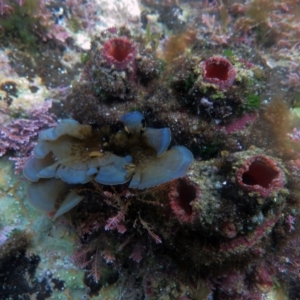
x: 75, y: 154
x: 22, y: 20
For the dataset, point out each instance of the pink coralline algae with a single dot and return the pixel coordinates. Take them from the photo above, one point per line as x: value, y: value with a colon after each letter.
x: 263, y: 277
x: 183, y: 194
x: 119, y: 52
x: 20, y: 135
x: 260, y: 174
x: 295, y: 135
x: 290, y: 221
x: 239, y: 124
x: 219, y: 71
x: 5, y: 9
x: 228, y: 230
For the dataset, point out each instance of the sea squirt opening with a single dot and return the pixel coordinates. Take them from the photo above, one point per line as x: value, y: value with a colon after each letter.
x: 183, y: 194
x: 261, y: 174
x: 219, y: 71
x: 119, y: 51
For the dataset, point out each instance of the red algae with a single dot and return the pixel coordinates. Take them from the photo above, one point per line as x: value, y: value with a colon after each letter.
x: 178, y: 45
x: 263, y: 277
x: 260, y: 174
x: 219, y: 71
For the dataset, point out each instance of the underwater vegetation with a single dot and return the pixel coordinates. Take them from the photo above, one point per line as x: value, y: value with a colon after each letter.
x: 19, y: 19
x: 171, y: 158
x: 76, y: 155
x: 144, y: 210
x: 19, y: 135
x: 30, y: 22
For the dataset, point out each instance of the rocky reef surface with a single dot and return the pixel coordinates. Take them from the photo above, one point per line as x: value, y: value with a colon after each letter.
x: 157, y: 160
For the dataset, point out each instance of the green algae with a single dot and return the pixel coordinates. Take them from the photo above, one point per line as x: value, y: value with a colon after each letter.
x: 252, y: 101
x: 23, y: 24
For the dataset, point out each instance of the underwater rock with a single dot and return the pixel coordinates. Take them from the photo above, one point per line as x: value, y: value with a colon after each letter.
x: 118, y: 69
x: 71, y: 154
x: 239, y: 219
x: 220, y: 90
x: 108, y: 79
x: 170, y: 94
x: 148, y: 66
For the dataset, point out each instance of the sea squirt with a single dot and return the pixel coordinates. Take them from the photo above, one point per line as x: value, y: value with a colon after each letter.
x: 219, y: 71
x: 119, y: 52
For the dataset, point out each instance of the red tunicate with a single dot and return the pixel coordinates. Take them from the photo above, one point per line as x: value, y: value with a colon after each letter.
x: 119, y: 52
x: 183, y: 195
x: 260, y: 174
x: 219, y: 71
